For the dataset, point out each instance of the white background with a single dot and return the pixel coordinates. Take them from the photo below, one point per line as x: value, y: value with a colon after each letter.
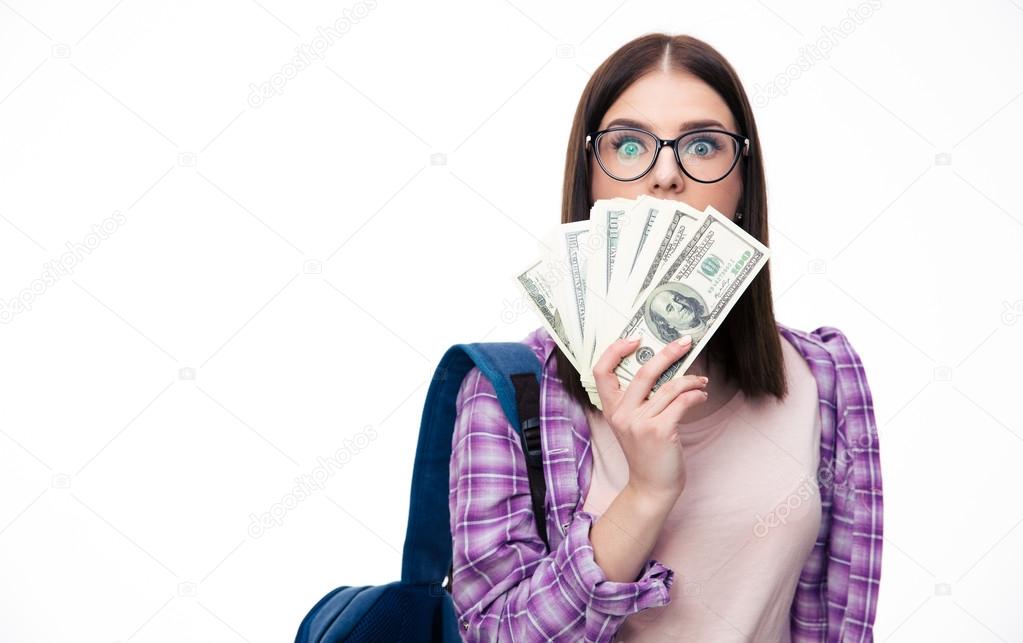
x: 286, y: 273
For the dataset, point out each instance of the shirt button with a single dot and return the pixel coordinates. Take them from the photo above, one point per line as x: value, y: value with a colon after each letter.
x: 465, y: 624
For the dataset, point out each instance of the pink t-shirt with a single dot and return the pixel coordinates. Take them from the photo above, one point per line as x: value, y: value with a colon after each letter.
x: 746, y: 522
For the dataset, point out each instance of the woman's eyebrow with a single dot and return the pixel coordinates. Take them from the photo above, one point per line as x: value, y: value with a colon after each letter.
x: 688, y: 125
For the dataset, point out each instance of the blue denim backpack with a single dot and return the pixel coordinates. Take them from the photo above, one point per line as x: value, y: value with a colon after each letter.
x: 419, y: 606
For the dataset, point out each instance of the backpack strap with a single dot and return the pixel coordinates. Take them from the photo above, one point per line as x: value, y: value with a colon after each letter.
x: 527, y: 395
x: 515, y: 373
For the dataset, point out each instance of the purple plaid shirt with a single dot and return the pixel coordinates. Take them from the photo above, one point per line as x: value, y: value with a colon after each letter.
x: 507, y: 587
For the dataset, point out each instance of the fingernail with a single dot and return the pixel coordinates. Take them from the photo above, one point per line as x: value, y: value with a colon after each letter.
x: 685, y: 340
x: 705, y: 379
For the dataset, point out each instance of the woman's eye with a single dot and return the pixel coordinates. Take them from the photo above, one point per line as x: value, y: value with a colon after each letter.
x: 701, y: 147
x: 628, y: 148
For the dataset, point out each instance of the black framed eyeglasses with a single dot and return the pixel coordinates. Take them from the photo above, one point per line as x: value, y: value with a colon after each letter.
x: 704, y: 155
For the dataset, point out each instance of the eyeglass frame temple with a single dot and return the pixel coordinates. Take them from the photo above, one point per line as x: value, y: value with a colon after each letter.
x: 661, y: 142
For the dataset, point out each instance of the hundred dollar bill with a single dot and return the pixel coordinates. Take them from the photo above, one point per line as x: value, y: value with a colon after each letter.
x: 634, y: 237
x: 535, y: 283
x: 608, y: 219
x: 692, y: 294
x: 572, y: 246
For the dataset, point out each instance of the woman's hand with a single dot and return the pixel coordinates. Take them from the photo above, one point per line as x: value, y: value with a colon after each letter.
x: 647, y: 429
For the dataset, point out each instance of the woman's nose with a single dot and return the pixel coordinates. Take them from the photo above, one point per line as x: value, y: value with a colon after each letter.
x: 666, y: 175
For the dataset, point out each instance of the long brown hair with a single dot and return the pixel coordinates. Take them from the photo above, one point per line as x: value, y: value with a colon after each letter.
x: 747, y: 345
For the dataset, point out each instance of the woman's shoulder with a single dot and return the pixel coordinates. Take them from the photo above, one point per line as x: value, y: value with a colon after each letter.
x: 827, y: 350
x: 822, y: 340
x: 477, y: 400
x: 836, y: 365
x: 542, y: 344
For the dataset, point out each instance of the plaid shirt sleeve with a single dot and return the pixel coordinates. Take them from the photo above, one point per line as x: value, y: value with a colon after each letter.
x: 505, y: 585
x: 836, y: 598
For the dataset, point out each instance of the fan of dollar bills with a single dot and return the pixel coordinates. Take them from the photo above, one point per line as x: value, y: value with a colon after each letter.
x: 650, y: 268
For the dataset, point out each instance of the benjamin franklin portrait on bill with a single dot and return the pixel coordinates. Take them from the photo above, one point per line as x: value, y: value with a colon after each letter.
x: 673, y: 310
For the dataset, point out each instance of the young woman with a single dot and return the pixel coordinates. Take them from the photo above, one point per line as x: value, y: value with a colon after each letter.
x: 741, y: 501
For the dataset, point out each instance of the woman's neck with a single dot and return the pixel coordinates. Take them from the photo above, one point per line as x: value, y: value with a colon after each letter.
x: 719, y: 391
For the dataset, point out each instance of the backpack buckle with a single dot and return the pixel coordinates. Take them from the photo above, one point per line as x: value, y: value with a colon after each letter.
x: 531, y: 437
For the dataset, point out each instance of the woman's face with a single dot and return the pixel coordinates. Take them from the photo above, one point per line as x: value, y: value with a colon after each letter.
x: 662, y: 101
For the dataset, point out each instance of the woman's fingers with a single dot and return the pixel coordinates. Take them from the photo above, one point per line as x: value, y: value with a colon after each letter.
x: 608, y: 386
x: 676, y: 410
x: 671, y: 389
x: 639, y: 388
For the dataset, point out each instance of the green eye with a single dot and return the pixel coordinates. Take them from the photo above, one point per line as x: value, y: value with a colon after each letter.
x: 628, y: 149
